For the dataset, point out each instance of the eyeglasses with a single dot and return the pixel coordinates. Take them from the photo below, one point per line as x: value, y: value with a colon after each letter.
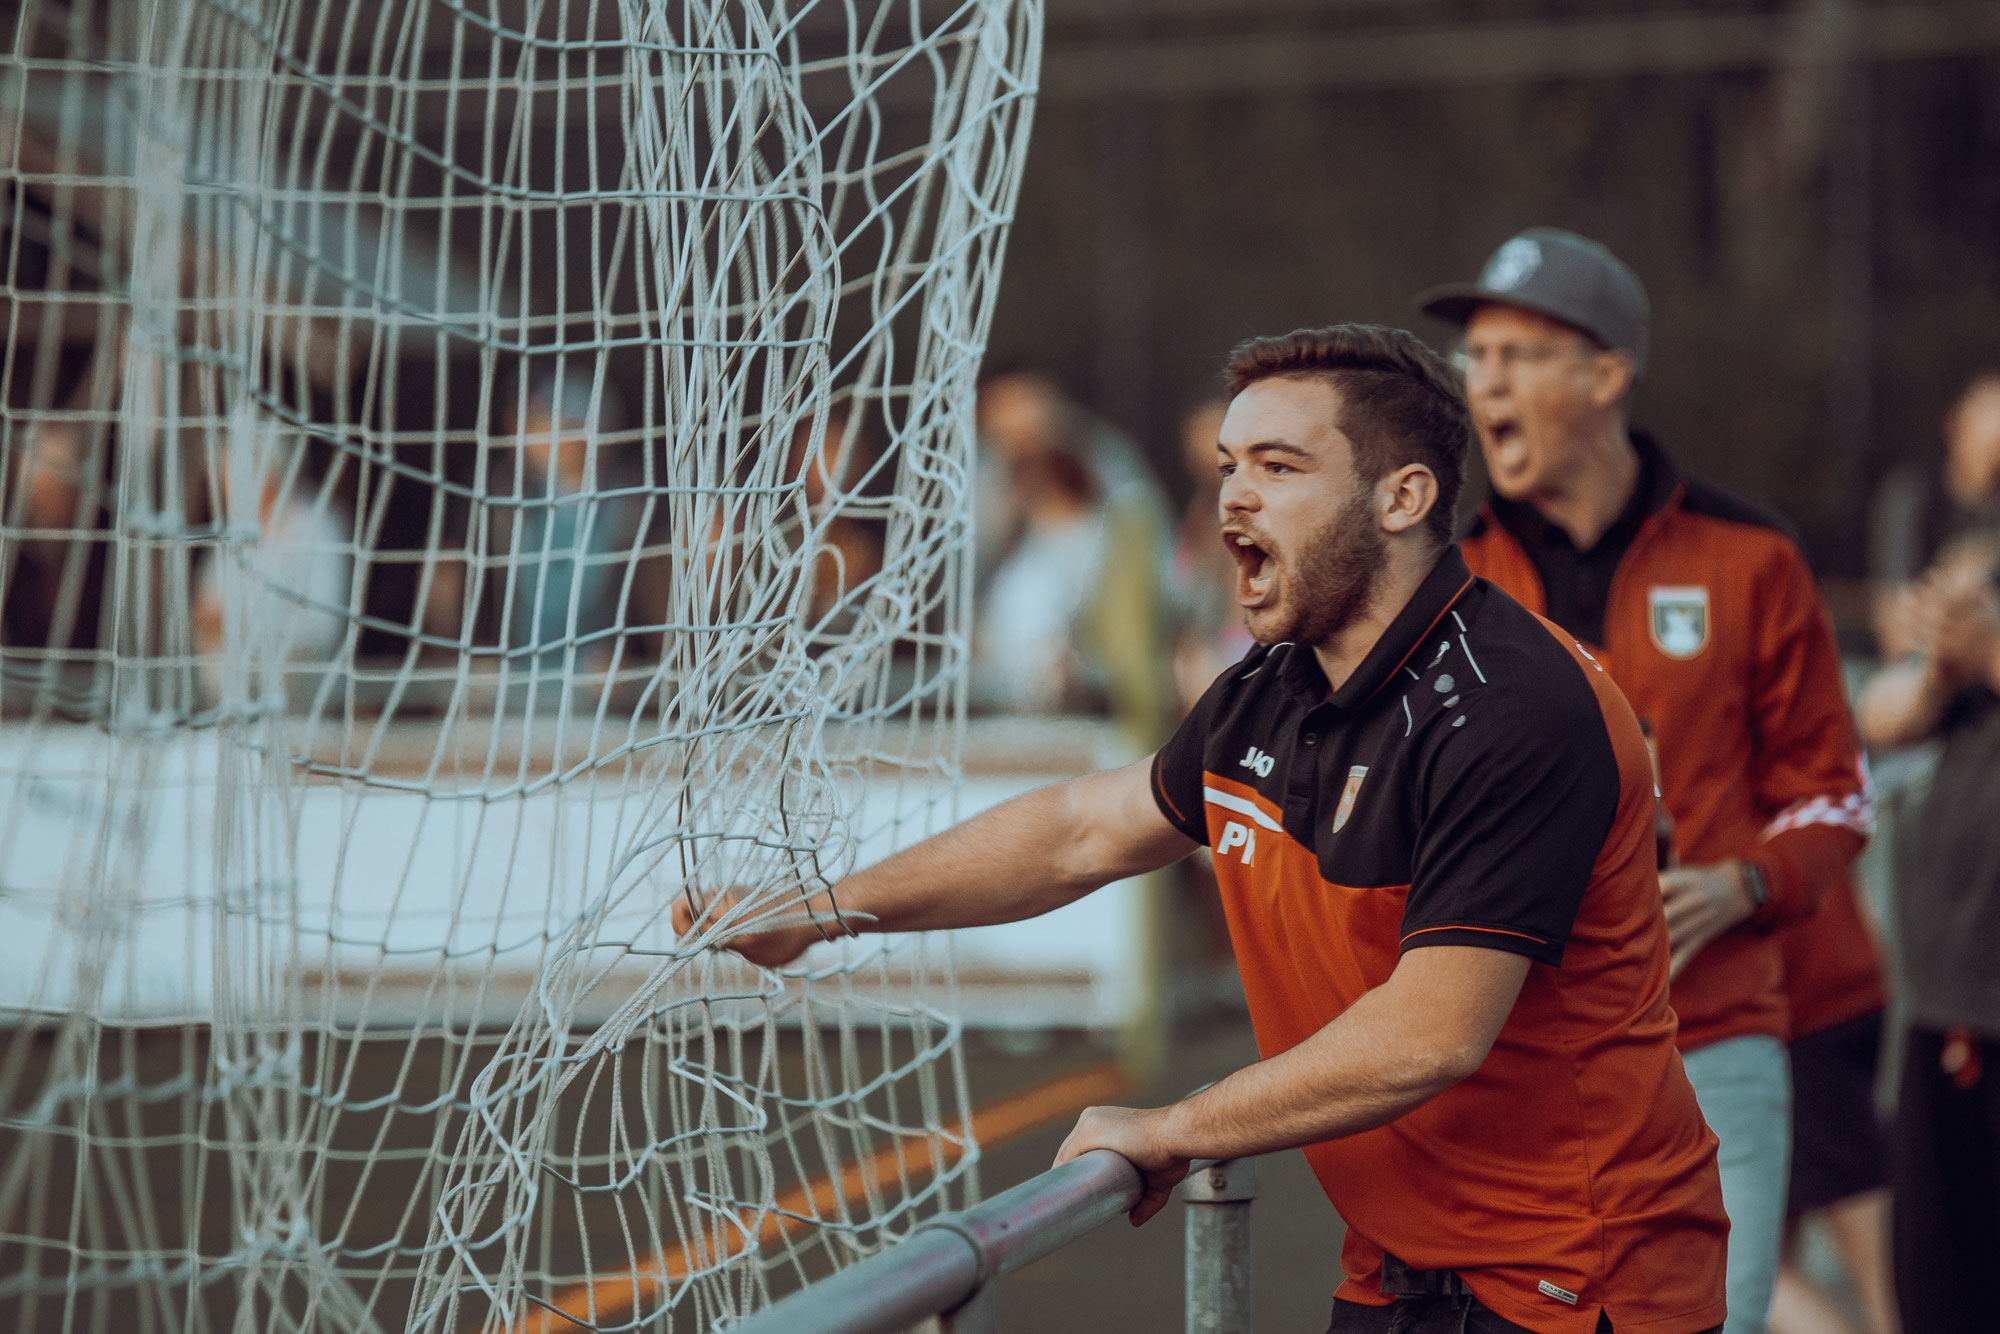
x: 1500, y: 358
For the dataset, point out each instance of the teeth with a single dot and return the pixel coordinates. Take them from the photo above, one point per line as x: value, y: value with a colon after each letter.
x: 1244, y: 542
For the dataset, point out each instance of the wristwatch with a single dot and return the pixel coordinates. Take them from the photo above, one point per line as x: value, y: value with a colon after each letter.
x: 1755, y: 885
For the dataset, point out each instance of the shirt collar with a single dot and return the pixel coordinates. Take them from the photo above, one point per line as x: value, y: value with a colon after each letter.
x: 1441, y: 589
x: 1659, y: 484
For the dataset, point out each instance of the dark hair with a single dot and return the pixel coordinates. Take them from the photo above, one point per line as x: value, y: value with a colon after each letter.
x: 1399, y: 402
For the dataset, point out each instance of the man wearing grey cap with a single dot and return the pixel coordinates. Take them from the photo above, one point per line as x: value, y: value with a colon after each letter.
x: 1703, y: 610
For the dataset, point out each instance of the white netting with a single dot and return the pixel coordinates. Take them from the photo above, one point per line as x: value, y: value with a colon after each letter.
x: 473, y: 472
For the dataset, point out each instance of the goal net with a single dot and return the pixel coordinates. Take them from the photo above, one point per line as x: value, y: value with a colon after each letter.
x: 474, y: 472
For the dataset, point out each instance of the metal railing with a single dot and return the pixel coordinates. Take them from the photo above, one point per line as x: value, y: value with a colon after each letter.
x: 947, y: 1268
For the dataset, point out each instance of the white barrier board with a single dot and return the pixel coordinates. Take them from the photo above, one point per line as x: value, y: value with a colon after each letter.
x: 399, y: 892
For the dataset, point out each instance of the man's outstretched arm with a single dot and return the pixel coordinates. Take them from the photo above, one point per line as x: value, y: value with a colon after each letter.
x: 1024, y: 857
x: 1425, y: 1029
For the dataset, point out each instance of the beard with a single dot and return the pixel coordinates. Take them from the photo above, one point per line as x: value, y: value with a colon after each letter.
x: 1338, y: 569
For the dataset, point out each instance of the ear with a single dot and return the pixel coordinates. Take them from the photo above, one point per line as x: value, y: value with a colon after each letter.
x: 1404, y: 497
x: 1611, y: 378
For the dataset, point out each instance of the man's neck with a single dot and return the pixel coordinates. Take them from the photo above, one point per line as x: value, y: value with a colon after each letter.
x: 1345, y: 649
x: 1590, y: 500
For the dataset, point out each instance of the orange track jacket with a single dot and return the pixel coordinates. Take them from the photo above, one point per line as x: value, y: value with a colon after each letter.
x: 1833, y: 966
x: 1714, y: 629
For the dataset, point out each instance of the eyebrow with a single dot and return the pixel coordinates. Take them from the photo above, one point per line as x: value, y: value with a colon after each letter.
x: 1552, y: 341
x: 1278, y: 447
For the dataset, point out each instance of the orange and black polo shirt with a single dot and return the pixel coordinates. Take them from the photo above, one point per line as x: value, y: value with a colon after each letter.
x: 1704, y: 611
x: 1477, y: 781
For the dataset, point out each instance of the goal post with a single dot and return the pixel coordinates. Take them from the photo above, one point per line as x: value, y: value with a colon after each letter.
x: 474, y: 473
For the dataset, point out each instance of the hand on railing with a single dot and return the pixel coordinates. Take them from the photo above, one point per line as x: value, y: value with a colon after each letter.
x: 1131, y: 1132
x: 948, y: 1265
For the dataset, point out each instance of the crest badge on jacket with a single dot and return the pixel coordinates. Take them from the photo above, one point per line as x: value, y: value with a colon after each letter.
x: 1679, y: 619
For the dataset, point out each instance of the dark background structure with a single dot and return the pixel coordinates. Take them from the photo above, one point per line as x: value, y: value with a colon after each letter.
x: 1809, y: 188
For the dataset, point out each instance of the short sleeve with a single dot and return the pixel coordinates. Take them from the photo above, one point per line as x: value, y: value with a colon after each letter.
x: 1179, y: 765
x: 1516, y: 805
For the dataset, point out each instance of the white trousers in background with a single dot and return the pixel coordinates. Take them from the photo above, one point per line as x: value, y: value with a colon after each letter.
x: 1744, y: 1086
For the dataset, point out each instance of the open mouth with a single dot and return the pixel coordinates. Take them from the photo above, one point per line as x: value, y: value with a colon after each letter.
x: 1503, y: 439
x: 1256, y: 572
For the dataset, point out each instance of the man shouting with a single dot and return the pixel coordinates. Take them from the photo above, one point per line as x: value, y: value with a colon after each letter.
x: 1703, y: 609
x: 1433, y: 824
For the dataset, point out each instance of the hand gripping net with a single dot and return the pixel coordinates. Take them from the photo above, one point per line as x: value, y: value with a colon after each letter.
x: 474, y: 473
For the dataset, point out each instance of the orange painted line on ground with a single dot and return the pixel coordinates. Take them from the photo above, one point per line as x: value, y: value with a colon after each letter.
x: 618, y: 1295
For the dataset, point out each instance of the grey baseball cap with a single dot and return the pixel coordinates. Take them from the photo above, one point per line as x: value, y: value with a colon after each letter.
x: 1562, y: 275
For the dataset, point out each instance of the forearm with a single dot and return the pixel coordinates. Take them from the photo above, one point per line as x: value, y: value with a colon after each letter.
x: 1022, y: 858
x: 1361, y: 1071
x: 1902, y: 703
x: 1397, y: 1047
x: 1002, y: 865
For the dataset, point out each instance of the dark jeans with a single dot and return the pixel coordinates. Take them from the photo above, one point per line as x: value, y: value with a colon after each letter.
x: 1432, y: 1315
x: 1945, y: 1177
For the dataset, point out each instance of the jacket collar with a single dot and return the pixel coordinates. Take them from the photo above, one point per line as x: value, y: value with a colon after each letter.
x: 1659, y: 486
x: 1441, y: 589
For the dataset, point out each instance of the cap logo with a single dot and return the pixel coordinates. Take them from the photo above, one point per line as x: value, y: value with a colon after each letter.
x: 1512, y: 264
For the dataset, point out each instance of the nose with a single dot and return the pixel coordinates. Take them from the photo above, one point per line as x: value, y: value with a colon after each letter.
x: 1238, y: 496
x: 1485, y: 377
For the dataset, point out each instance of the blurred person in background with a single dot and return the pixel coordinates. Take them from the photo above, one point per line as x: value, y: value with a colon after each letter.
x: 847, y: 550
x: 1704, y: 611
x: 1945, y: 1158
x: 301, y: 573
x: 1919, y: 510
x: 563, y: 544
x: 1070, y: 530
x: 1840, y: 1153
x: 1208, y: 626
x: 1026, y: 654
x: 1209, y: 636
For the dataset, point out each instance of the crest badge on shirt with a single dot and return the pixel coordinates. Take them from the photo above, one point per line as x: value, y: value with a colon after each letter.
x: 1348, y: 794
x: 1679, y: 620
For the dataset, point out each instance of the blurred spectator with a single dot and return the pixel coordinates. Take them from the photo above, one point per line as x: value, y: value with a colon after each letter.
x: 49, y: 515
x: 1918, y: 509
x: 1071, y: 533
x: 301, y: 576
x: 1703, y: 610
x: 847, y: 551
x: 1840, y: 1154
x: 566, y: 530
x: 1209, y: 636
x: 1945, y: 1162
x: 1209, y: 633
x: 1027, y: 660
